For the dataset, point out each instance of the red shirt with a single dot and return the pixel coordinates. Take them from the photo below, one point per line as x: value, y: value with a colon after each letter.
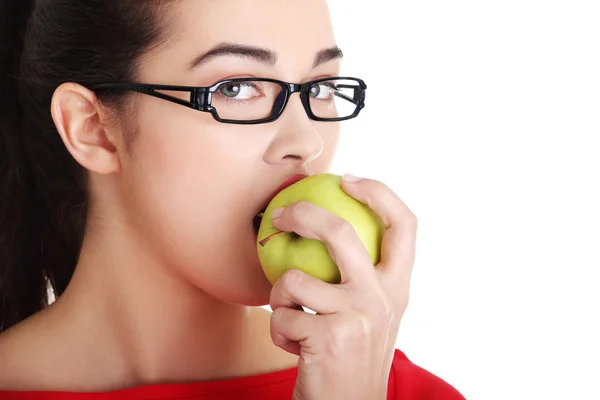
x: 407, y: 382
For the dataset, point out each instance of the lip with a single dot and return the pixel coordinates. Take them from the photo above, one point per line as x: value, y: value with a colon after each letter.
x: 288, y: 182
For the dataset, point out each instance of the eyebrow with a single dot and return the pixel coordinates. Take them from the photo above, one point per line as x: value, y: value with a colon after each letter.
x: 327, y: 55
x: 259, y: 54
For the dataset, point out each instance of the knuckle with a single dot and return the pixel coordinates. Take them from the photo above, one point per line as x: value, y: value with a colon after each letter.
x: 381, y: 190
x: 280, y: 318
x: 383, y: 311
x: 374, y: 184
x: 278, y: 314
x: 336, y: 341
x: 398, y: 299
x: 383, y: 187
x: 411, y: 221
x: 297, y: 213
x: 334, y: 348
x: 399, y: 304
x: 386, y: 310
x: 290, y: 280
x: 351, y: 333
x: 300, y: 209
x: 341, y: 227
x: 404, y: 300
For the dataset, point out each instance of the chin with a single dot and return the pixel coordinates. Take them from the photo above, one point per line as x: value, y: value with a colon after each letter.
x: 255, y: 295
x: 262, y: 287
x: 250, y: 287
x: 234, y: 274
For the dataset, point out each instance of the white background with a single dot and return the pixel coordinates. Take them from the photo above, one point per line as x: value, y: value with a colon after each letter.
x: 484, y: 116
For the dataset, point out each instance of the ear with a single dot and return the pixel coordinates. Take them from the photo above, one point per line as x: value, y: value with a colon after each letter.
x: 78, y: 118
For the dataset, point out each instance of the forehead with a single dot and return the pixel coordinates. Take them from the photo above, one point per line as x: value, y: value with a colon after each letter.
x: 264, y: 21
x: 295, y: 29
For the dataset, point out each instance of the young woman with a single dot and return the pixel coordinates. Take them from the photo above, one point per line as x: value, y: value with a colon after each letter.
x: 138, y: 142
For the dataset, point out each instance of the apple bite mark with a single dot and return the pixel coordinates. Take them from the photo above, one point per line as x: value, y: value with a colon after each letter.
x: 257, y: 220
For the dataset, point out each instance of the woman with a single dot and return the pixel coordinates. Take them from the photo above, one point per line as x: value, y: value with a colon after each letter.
x: 133, y: 170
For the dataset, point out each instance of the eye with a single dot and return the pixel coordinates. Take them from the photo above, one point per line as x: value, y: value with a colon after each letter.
x: 321, y: 91
x: 239, y: 90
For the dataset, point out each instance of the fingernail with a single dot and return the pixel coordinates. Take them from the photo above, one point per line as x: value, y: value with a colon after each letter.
x: 277, y: 213
x: 351, y: 178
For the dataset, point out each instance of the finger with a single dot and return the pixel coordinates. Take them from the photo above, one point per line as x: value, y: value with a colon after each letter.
x: 399, y: 240
x: 291, y: 328
x: 298, y: 288
x: 345, y: 247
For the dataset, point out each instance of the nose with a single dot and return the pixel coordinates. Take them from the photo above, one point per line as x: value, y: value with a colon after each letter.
x: 296, y: 137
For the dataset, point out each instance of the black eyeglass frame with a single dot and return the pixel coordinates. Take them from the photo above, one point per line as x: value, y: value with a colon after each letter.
x: 201, y: 96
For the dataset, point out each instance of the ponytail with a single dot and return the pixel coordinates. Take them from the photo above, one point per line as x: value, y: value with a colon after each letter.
x: 22, y: 282
x: 43, y: 190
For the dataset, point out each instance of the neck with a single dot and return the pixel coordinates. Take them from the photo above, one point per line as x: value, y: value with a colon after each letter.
x: 143, y: 324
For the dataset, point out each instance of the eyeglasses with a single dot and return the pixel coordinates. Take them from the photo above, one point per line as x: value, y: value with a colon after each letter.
x: 261, y: 100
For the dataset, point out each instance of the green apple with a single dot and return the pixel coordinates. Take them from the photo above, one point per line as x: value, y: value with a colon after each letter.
x: 280, y: 251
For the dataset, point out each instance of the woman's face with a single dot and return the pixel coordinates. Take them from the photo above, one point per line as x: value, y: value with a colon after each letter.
x: 193, y: 185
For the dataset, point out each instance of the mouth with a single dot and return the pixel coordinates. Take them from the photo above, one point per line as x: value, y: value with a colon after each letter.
x: 259, y: 215
x: 257, y: 221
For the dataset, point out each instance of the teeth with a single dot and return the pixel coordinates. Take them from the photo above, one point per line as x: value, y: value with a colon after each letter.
x: 260, y: 214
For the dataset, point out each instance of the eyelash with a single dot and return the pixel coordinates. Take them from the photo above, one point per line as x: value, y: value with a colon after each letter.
x: 239, y: 102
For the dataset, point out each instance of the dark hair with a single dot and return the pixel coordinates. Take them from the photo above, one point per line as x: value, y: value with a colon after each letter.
x: 43, y: 190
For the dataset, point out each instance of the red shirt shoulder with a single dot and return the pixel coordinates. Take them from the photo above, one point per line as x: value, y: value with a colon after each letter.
x: 411, y: 382
x: 407, y: 382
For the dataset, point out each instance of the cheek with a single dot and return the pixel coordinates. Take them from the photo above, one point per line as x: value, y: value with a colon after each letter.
x: 183, y: 171
x: 187, y: 185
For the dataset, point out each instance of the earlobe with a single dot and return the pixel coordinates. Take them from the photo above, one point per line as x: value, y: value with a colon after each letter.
x: 78, y: 119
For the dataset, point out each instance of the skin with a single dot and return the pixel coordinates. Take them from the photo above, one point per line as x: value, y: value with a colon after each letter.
x: 168, y: 279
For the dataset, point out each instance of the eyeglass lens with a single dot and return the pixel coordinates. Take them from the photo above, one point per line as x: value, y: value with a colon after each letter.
x: 255, y: 100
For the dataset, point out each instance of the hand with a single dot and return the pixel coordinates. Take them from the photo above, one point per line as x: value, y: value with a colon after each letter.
x: 346, y: 349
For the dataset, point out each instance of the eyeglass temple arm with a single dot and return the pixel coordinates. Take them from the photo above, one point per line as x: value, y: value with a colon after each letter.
x: 357, y: 93
x: 151, y: 91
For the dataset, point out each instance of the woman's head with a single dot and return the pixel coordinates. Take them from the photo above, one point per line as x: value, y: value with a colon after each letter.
x: 117, y: 166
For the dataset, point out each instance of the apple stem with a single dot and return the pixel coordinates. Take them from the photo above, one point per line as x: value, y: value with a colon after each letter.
x: 268, y: 238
